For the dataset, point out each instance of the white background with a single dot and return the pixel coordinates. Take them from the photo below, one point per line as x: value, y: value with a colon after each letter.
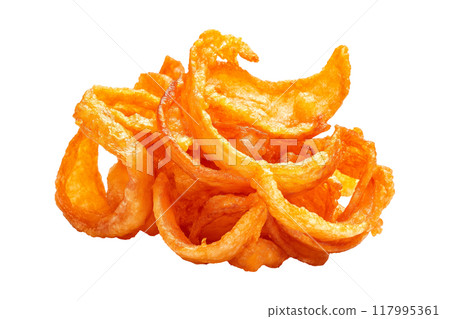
x: 51, y: 52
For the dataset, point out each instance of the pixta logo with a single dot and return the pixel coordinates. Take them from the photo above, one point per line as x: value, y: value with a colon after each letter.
x: 143, y: 147
x: 147, y: 150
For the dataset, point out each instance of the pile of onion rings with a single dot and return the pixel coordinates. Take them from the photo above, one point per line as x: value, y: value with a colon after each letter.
x: 223, y: 165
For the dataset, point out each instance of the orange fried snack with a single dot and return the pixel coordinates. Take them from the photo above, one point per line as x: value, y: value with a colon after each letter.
x: 223, y: 165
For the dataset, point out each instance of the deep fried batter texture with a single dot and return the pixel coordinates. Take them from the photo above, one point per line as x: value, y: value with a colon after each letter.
x: 247, y: 229
x: 242, y: 196
x: 82, y: 198
x: 204, y: 53
x: 261, y: 253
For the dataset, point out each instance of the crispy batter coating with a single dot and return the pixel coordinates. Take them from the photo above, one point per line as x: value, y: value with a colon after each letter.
x: 264, y: 187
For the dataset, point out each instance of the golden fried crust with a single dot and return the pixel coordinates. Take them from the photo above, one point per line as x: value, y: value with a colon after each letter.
x: 248, y: 207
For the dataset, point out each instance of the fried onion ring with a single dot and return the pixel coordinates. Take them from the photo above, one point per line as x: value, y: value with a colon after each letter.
x: 223, y: 165
x: 248, y: 228
x: 82, y: 198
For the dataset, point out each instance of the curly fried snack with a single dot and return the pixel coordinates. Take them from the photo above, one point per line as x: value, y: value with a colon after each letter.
x: 223, y: 165
x: 82, y: 198
x: 209, y: 47
x: 246, y: 229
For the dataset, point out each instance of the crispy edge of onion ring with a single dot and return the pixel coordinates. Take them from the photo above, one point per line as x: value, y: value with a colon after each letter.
x: 248, y: 228
x: 97, y: 122
x: 171, y: 67
x: 118, y: 179
x: 219, y: 212
x: 376, y: 197
x: 224, y: 180
x: 293, y: 247
x: 212, y: 44
x: 263, y: 252
x: 81, y: 196
x: 299, y: 218
x: 289, y: 177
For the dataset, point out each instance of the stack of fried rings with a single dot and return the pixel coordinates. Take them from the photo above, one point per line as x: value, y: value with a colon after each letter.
x: 258, y: 203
